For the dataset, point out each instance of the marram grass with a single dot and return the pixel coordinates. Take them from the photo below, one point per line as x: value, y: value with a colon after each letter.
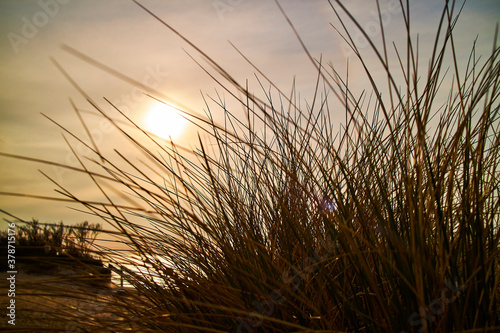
x: 281, y: 223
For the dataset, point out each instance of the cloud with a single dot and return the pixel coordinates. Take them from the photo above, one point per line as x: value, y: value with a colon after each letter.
x: 121, y: 35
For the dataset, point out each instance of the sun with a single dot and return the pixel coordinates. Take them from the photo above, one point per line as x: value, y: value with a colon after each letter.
x: 165, y: 121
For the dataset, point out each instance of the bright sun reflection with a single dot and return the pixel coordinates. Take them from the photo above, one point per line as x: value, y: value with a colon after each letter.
x: 165, y: 121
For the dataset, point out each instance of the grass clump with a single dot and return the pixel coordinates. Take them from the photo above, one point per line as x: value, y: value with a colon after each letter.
x: 280, y: 223
x: 38, y: 249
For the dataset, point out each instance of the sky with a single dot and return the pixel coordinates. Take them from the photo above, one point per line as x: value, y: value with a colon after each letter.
x: 121, y: 35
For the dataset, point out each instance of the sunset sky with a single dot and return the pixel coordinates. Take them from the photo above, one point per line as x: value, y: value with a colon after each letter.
x: 121, y: 35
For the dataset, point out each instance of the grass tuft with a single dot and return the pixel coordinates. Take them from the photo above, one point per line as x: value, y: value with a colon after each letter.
x: 280, y: 223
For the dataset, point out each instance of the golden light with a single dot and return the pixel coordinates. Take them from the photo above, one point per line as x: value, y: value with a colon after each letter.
x: 165, y: 121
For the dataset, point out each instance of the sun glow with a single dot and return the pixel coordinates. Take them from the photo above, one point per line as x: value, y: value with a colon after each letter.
x: 165, y: 121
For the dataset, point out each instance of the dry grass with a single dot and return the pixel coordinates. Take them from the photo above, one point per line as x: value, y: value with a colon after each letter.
x: 282, y: 224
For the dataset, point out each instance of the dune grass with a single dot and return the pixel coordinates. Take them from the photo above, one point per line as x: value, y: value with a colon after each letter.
x: 281, y: 223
